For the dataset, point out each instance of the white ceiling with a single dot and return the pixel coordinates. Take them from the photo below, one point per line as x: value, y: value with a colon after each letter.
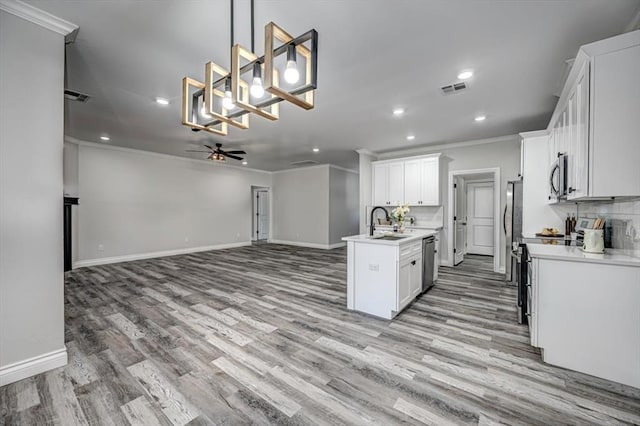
x: 374, y: 55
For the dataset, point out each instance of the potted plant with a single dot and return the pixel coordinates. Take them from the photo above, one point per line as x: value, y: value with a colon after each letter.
x: 399, y: 214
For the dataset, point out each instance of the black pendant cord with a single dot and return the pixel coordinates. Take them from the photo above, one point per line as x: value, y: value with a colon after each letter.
x: 231, y: 35
x: 253, y: 39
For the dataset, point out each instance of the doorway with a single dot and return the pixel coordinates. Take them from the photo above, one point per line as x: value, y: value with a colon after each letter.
x: 474, y: 198
x: 261, y: 214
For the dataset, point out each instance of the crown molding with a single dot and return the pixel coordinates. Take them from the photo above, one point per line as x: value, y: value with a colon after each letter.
x: 634, y: 23
x: 365, y: 151
x: 535, y: 134
x: 72, y: 140
x: 39, y: 17
x: 426, y: 149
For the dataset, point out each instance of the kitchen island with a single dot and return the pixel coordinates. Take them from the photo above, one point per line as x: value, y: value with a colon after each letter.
x: 384, y: 271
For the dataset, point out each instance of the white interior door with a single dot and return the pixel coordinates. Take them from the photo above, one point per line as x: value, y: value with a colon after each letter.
x: 262, y: 215
x: 480, y: 218
x: 459, y: 223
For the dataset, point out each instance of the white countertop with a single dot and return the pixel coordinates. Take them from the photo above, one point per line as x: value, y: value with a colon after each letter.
x: 411, y: 235
x: 575, y: 254
x: 429, y: 227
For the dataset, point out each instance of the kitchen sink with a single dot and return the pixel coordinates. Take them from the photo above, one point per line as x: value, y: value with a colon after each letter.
x: 391, y: 237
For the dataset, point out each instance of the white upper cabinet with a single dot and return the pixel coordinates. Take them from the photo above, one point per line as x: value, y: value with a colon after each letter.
x: 388, y: 183
x: 414, y: 181
x: 430, y: 181
x: 579, y: 140
x: 597, y: 120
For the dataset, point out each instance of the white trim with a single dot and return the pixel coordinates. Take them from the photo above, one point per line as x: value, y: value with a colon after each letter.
x: 534, y: 134
x: 497, y: 217
x: 79, y: 142
x: 38, y: 17
x: 440, y: 146
x: 417, y: 157
x: 344, y: 169
x: 30, y: 367
x: 502, y: 270
x: 151, y: 255
x: 634, y: 24
x: 309, y: 245
x: 365, y: 151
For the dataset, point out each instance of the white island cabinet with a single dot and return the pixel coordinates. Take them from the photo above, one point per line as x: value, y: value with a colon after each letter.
x: 584, y: 311
x: 384, y: 275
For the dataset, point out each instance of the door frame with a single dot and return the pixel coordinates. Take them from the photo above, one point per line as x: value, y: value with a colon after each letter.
x: 254, y: 192
x: 496, y: 211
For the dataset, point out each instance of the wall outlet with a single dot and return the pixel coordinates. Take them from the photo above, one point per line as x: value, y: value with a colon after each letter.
x: 238, y: 235
x: 297, y: 235
x: 186, y: 239
x: 100, y: 247
x: 374, y: 267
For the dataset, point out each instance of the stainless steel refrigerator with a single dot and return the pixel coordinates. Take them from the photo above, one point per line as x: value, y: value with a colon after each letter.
x: 512, y: 223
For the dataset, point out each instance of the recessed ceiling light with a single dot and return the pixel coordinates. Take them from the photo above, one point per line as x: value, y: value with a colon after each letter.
x: 465, y: 75
x: 480, y: 118
x: 105, y: 138
x: 398, y: 111
x: 162, y: 101
x: 316, y: 149
x: 410, y: 137
x: 244, y: 163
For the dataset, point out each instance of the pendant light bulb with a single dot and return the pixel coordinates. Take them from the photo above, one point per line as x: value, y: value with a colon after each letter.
x: 227, y: 101
x: 291, y: 74
x: 257, y: 91
x: 203, y: 111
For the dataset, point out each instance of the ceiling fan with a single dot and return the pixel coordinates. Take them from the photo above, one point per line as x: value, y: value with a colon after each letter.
x: 218, y: 154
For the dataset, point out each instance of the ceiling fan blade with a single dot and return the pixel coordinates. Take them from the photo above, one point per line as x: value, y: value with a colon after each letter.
x: 235, y: 157
x: 193, y: 150
x: 237, y: 152
x: 209, y: 147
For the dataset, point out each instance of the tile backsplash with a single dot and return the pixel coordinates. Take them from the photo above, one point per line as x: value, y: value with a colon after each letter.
x: 425, y: 216
x: 622, y: 228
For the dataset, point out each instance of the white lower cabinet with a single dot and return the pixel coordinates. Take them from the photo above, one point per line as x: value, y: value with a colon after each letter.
x: 383, y: 279
x: 586, y: 317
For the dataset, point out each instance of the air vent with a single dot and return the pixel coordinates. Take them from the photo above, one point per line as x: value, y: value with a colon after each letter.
x: 453, y: 88
x: 304, y: 163
x: 75, y: 96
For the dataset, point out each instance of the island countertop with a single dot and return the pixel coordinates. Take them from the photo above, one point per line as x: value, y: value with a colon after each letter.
x: 406, y: 237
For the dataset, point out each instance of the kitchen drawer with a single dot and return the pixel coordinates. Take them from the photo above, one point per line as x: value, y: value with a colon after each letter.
x: 410, y: 249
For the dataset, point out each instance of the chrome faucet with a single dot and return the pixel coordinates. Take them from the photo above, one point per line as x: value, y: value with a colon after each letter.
x: 372, y: 227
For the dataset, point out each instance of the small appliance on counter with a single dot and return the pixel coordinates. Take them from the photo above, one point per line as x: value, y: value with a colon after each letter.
x: 593, y: 241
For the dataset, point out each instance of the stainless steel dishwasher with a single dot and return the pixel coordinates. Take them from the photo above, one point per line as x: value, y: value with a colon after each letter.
x: 428, y: 258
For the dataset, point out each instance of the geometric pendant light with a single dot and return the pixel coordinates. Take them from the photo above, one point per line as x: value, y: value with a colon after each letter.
x: 226, y: 99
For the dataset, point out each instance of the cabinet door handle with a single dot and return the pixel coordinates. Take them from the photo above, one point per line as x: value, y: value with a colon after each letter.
x: 413, y: 263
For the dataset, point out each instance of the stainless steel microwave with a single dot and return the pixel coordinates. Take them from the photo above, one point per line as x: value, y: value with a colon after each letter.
x: 558, y: 183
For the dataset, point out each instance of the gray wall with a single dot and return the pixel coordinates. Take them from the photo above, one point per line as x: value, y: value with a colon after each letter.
x: 301, y: 205
x: 135, y: 202
x: 343, y: 204
x: 366, y: 187
x: 504, y: 154
x: 31, y: 139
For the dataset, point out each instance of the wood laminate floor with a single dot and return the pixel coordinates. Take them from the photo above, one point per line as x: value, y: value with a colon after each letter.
x: 260, y: 335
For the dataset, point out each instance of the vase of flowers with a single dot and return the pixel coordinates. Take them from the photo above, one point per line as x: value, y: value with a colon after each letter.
x: 399, y: 214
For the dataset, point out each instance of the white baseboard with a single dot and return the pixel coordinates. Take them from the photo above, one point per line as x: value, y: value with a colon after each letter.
x: 502, y: 270
x: 309, y: 245
x: 140, y: 256
x: 30, y: 367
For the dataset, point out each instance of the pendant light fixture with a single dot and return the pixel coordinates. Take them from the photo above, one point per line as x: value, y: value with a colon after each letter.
x: 227, y: 99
